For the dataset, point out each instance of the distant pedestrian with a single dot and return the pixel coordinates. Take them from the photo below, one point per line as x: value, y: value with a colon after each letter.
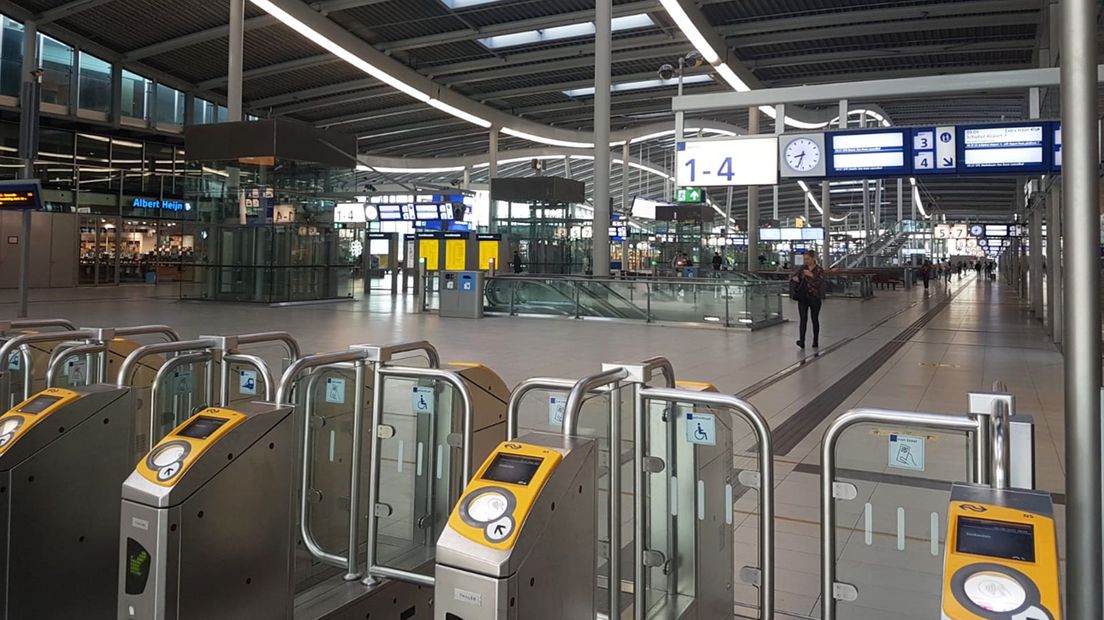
x: 717, y: 261
x: 807, y: 286
x: 926, y: 273
x: 517, y: 262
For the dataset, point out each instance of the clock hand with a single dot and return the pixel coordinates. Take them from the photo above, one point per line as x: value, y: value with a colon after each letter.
x: 800, y: 157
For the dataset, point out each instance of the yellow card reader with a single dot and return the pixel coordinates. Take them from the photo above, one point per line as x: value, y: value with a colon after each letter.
x: 24, y: 416
x: 1001, y: 559
x: 182, y: 447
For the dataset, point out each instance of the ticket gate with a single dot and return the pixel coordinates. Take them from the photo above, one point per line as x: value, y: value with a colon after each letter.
x: 521, y: 542
x: 1001, y: 559
x: 185, y: 555
x: 63, y: 453
x: 206, y: 527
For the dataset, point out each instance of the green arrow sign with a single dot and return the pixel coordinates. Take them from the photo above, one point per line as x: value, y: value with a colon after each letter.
x: 689, y: 195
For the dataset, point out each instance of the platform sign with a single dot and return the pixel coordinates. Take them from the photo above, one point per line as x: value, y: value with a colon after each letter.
x: 20, y: 195
x: 335, y: 390
x: 423, y: 400
x: 906, y: 452
x: 1057, y: 146
x: 556, y: 407
x: 878, y: 152
x: 247, y: 382
x: 701, y: 429
x: 732, y: 161
x: 934, y: 150
x: 1008, y: 149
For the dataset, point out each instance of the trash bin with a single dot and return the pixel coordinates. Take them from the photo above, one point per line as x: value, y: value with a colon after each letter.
x: 461, y: 294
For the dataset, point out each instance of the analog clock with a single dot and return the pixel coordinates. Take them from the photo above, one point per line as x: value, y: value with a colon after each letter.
x: 802, y: 155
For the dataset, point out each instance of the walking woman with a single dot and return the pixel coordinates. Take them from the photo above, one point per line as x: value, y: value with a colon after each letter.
x: 807, y: 287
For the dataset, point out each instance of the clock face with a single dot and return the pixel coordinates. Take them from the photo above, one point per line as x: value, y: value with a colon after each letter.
x: 802, y: 155
x: 976, y: 230
x: 371, y: 213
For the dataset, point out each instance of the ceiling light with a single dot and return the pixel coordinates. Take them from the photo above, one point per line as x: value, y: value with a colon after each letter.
x: 458, y: 113
x: 342, y: 53
x: 551, y: 141
x: 686, y: 25
x: 639, y: 85
x: 733, y: 80
x: 464, y: 4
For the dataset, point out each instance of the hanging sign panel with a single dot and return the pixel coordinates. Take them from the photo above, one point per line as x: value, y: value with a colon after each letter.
x: 933, y: 150
x: 734, y: 161
x: 880, y: 152
x: 21, y: 195
x: 1007, y: 149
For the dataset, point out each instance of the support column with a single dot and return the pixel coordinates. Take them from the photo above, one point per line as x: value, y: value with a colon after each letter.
x: 1081, y: 186
x: 900, y: 200
x: 1036, y: 258
x: 779, y: 129
x: 1055, y: 269
x: 492, y: 155
x: 30, y: 96
x: 826, y: 206
x: 727, y: 224
x: 625, y: 208
x: 567, y: 166
x: 234, y: 71
x: 603, y: 15
x: 753, y: 204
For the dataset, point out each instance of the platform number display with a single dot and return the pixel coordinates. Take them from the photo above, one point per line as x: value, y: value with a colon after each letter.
x: 934, y: 150
x: 733, y: 161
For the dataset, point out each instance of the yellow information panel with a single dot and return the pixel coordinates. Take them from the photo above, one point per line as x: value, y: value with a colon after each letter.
x: 488, y: 251
x: 180, y: 449
x: 456, y: 254
x: 430, y: 251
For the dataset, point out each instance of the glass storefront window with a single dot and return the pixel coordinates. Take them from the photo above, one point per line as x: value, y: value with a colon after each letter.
x: 170, y: 106
x: 56, y: 59
x: 95, y: 84
x: 135, y: 95
x: 11, y: 57
x: 223, y: 114
x: 203, y: 111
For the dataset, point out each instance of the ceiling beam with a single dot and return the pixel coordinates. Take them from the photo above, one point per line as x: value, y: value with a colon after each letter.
x: 275, y: 69
x: 889, y: 52
x: 564, y: 64
x: 836, y: 17
x: 549, y: 21
x: 560, y: 86
x: 223, y: 31
x: 316, y: 92
x: 741, y: 40
x: 837, y: 78
x: 67, y: 10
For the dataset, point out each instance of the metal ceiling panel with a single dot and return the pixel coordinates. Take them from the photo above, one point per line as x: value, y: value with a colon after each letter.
x: 134, y: 24
x: 291, y: 81
x: 399, y: 19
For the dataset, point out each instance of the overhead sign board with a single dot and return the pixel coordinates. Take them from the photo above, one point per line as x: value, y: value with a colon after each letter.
x: 1009, y: 148
x: 864, y: 153
x: 732, y: 161
x: 21, y: 195
x: 349, y: 213
x: 934, y: 150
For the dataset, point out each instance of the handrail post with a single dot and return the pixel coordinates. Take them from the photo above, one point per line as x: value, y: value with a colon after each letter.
x: 351, y: 570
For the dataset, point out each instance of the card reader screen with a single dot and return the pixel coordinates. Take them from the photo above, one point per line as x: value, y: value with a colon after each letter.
x: 996, y: 539
x: 512, y: 469
x: 201, y: 427
x: 39, y: 404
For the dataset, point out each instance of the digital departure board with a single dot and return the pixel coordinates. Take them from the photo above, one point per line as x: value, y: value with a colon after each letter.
x: 1008, y: 149
x: 20, y: 195
x: 879, y: 152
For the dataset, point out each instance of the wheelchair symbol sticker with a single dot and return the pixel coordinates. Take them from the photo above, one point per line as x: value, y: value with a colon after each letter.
x: 422, y: 401
x: 906, y: 452
x: 335, y: 390
x: 247, y: 382
x: 701, y: 429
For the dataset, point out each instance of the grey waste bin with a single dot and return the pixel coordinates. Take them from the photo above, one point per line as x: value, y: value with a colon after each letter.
x: 461, y: 294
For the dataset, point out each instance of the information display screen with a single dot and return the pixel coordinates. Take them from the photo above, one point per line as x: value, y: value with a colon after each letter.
x: 202, y: 427
x: 996, y: 539
x: 513, y: 469
x: 1004, y: 148
x: 863, y: 152
x: 812, y: 234
x: 996, y: 230
x: 20, y: 195
x: 770, y: 234
x: 390, y: 213
x: 39, y: 404
x: 791, y: 234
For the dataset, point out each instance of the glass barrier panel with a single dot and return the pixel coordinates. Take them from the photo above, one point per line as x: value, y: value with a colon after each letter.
x: 416, y: 471
x: 11, y: 381
x: 688, y: 302
x: 247, y: 384
x: 182, y: 392
x: 328, y: 397
x: 889, y: 539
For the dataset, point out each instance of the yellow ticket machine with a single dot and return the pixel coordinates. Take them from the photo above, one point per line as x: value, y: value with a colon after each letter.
x: 193, y: 544
x: 520, y: 544
x: 63, y: 455
x: 1001, y: 560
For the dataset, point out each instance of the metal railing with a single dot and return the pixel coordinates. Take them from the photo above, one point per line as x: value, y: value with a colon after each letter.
x: 7, y: 326
x: 740, y: 409
x: 974, y: 426
x: 99, y: 345
x: 230, y: 346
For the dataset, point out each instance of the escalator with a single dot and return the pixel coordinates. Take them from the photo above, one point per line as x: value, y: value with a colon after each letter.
x: 557, y: 297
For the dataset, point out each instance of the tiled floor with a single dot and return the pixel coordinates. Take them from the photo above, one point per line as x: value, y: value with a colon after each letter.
x: 984, y: 334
